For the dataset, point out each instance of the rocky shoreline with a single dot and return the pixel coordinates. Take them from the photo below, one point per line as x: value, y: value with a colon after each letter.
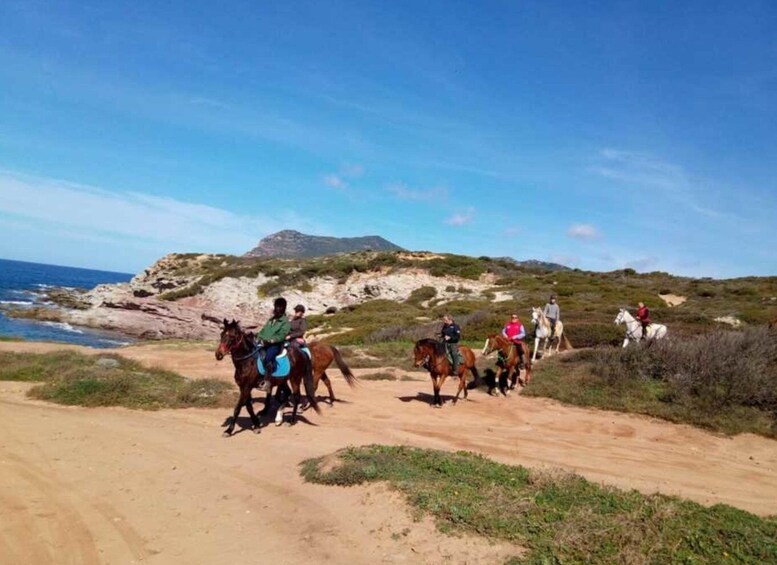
x: 139, y: 308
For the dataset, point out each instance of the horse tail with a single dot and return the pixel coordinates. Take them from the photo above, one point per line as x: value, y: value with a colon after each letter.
x: 475, y: 378
x: 565, y: 343
x: 310, y: 386
x: 349, y: 377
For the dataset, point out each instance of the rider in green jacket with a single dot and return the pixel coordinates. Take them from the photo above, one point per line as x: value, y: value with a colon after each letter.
x: 273, y: 334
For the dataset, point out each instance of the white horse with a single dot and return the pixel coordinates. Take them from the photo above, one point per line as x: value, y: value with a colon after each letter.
x: 542, y: 330
x: 634, y: 328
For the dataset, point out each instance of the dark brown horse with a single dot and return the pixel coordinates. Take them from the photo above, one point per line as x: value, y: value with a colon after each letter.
x: 431, y: 355
x: 323, y: 355
x: 507, y: 367
x: 241, y: 346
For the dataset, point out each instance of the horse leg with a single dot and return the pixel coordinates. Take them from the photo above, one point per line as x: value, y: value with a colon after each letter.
x: 514, y: 377
x: 328, y: 383
x: 267, y: 401
x: 625, y: 342
x: 245, y: 393
x: 256, y: 423
x: 536, y: 347
x: 501, y: 378
x: 437, y: 385
x: 461, y: 387
x: 296, y: 396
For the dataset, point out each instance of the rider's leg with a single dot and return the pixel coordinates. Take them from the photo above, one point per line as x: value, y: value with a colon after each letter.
x: 521, y: 359
x: 644, y: 330
x: 271, y: 352
x: 454, y: 352
x: 552, y: 327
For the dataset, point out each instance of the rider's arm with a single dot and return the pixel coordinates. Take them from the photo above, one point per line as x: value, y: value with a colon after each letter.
x: 522, y: 333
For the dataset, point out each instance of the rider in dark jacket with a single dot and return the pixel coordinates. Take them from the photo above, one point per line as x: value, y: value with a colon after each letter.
x: 451, y: 334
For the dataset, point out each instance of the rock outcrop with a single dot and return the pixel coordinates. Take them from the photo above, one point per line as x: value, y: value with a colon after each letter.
x: 140, y: 307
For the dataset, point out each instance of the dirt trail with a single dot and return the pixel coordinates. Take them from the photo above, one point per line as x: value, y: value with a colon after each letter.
x: 119, y: 486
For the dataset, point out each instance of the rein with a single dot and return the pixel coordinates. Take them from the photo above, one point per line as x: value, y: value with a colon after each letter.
x: 631, y: 326
x: 251, y: 353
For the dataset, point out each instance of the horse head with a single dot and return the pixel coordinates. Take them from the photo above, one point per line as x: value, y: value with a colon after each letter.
x: 491, y: 345
x: 231, y: 338
x: 422, y: 353
x: 621, y: 317
x: 536, y: 315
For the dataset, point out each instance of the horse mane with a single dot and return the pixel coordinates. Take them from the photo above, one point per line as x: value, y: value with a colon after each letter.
x: 437, y: 347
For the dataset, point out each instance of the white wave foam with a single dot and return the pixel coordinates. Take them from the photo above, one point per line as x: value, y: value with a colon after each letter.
x: 16, y: 302
x: 115, y: 342
x: 63, y: 326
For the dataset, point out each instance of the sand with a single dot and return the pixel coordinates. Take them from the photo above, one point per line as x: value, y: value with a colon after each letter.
x: 112, y: 485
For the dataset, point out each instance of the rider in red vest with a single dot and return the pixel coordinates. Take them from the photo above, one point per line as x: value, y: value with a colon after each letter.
x: 515, y: 332
x: 643, y: 315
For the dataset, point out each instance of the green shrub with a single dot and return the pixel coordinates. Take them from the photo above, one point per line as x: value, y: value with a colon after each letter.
x: 557, y: 517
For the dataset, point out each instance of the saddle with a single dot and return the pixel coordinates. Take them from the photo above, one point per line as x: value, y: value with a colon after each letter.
x: 282, y: 362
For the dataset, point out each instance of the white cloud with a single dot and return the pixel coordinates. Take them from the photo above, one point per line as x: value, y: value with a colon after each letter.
x: 93, y: 214
x: 584, y: 232
x: 338, y: 180
x: 406, y: 193
x: 353, y: 171
x: 335, y: 181
x: 647, y: 171
x: 461, y: 219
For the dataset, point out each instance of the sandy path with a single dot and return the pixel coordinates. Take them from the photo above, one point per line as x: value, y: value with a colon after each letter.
x: 116, y: 486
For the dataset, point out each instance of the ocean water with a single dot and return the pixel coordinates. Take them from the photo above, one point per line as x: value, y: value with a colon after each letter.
x: 24, y: 285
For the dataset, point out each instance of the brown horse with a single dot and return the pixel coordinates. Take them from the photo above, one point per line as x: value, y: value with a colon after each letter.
x: 323, y: 354
x: 431, y: 355
x: 508, y: 365
x: 241, y: 346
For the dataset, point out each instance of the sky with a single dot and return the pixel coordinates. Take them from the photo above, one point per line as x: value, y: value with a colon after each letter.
x: 601, y: 135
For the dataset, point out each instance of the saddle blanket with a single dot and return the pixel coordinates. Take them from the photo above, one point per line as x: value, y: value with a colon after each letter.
x: 282, y: 363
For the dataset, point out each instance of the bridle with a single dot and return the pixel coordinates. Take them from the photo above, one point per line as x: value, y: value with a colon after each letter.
x: 234, y: 346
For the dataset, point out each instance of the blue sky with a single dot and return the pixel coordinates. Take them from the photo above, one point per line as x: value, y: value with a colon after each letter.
x: 601, y: 135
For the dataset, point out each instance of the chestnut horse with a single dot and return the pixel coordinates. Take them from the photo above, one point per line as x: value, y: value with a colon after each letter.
x: 241, y: 346
x: 430, y: 354
x: 323, y: 354
x: 508, y: 365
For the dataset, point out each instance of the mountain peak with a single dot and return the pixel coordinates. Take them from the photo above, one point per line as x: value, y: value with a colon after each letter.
x: 291, y: 243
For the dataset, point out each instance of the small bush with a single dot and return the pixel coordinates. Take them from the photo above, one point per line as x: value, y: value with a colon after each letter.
x: 421, y: 295
x: 76, y: 379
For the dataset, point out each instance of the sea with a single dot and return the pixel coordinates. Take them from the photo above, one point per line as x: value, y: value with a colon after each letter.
x: 24, y: 285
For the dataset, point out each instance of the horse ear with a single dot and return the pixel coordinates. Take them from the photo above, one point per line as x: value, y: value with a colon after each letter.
x: 225, y: 323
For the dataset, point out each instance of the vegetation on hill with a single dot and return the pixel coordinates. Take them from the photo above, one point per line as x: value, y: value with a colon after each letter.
x: 110, y: 380
x: 589, y: 301
x: 725, y: 381
x: 559, y: 518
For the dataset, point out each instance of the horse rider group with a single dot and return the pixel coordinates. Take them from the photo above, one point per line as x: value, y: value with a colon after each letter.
x: 513, y: 330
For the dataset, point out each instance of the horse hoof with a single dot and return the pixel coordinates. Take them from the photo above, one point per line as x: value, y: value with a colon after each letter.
x: 227, y: 433
x: 279, y: 418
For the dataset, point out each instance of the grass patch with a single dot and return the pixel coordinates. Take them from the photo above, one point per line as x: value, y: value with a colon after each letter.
x: 560, y: 518
x: 110, y: 380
